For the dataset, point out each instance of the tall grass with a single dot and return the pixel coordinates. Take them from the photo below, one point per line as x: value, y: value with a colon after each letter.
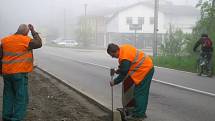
x: 184, y: 63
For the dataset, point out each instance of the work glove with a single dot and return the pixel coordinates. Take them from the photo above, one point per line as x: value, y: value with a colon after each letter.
x: 115, y: 71
x: 112, y: 72
x: 112, y: 83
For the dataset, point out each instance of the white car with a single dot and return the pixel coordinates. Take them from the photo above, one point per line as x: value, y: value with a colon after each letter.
x: 68, y: 43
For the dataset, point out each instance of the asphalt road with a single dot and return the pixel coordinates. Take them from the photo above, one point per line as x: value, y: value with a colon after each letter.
x: 166, y: 103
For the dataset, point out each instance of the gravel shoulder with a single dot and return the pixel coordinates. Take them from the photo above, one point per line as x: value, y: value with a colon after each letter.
x: 50, y: 100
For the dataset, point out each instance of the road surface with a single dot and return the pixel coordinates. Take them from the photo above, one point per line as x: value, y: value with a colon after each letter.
x: 88, y: 72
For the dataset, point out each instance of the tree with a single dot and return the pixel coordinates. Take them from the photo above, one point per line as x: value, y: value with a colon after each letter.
x: 174, y: 42
x: 85, y: 32
x: 207, y: 22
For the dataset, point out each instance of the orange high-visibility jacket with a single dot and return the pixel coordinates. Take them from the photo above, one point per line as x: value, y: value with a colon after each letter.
x: 16, y: 56
x: 129, y: 52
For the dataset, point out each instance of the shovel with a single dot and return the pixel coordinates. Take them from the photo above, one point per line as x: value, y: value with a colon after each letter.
x: 112, y: 72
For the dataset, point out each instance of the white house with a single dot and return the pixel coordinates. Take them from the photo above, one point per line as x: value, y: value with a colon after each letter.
x: 119, y: 24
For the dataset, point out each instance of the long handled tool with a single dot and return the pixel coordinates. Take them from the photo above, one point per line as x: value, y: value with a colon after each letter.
x: 112, y: 71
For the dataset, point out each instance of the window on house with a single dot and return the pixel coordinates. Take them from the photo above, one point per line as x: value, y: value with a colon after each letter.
x: 129, y: 20
x: 151, y: 20
x: 140, y: 20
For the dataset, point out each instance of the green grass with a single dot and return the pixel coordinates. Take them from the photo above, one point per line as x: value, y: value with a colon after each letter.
x: 184, y: 63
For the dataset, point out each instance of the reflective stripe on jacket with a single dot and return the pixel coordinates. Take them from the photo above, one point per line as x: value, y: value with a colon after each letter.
x: 16, y: 56
x: 141, y: 63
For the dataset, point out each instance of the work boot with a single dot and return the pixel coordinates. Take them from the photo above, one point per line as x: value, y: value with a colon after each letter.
x: 135, y: 118
x: 5, y: 119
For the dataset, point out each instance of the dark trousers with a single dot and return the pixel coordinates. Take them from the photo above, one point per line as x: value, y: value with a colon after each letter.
x: 141, y: 94
x: 15, y: 97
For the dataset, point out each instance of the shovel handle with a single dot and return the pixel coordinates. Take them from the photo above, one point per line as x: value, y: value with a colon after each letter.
x: 112, y: 99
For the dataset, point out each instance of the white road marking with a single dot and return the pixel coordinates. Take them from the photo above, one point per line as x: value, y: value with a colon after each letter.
x: 186, y: 88
x: 163, y: 82
x: 101, y: 66
x: 175, y: 70
x: 159, y: 81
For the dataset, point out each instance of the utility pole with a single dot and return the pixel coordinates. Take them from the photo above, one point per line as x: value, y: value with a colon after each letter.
x: 96, y: 31
x: 85, y: 24
x: 85, y: 17
x: 213, y: 3
x: 155, y: 28
x: 135, y: 37
x: 85, y: 10
x: 64, y: 23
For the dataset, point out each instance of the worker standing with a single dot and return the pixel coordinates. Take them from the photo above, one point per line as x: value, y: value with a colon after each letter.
x: 17, y: 61
x: 135, y: 70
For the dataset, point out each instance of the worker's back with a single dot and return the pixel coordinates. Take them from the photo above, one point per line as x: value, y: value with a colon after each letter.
x: 129, y: 52
x: 16, y: 56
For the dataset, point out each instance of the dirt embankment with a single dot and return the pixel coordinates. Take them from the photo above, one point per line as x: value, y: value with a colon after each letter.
x: 52, y: 101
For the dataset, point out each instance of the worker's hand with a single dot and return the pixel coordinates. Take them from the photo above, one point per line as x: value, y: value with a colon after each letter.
x: 117, y: 71
x: 112, y: 71
x: 112, y: 83
x: 30, y: 26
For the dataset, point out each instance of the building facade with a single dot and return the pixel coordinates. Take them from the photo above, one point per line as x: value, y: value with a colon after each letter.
x: 121, y: 24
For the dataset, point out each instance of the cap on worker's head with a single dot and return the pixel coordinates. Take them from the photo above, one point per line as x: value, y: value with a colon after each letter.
x: 204, y: 35
x: 112, y: 48
x: 23, y: 29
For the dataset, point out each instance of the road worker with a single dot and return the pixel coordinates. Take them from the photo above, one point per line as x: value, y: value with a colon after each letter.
x: 17, y: 61
x: 135, y: 70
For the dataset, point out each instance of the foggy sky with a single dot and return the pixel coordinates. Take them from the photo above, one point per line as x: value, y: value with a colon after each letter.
x: 52, y: 12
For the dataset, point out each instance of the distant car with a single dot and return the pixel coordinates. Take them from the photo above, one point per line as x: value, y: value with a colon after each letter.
x: 68, y: 43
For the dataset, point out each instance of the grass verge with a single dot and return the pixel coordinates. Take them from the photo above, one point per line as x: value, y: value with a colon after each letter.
x: 184, y: 63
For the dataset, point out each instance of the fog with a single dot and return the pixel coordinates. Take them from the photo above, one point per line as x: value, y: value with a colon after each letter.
x: 59, y: 17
